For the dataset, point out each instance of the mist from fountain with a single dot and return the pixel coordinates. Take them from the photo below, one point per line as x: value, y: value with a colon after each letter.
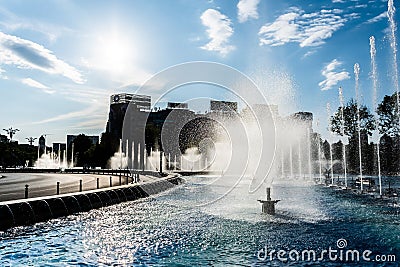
x: 154, y: 161
x: 47, y: 161
x: 119, y: 160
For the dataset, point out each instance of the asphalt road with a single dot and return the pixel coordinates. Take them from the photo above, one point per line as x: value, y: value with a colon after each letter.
x: 12, y: 185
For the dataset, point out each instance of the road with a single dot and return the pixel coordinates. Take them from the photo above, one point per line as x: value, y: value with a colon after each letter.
x: 12, y: 185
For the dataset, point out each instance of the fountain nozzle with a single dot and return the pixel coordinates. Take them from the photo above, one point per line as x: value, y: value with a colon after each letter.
x: 268, y: 206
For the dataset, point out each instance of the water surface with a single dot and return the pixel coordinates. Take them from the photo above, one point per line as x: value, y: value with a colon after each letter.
x: 172, y: 229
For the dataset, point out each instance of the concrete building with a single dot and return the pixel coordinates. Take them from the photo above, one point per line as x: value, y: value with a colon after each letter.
x: 93, y: 138
x: 303, y: 118
x: 42, y: 143
x: 223, y: 106
x: 59, y: 147
x: 177, y: 105
x: 118, y: 106
x: 262, y: 111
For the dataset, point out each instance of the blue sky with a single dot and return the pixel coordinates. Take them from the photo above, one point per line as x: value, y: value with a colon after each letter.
x: 60, y: 60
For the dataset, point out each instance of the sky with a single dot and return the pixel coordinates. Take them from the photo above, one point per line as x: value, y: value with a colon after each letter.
x: 61, y: 60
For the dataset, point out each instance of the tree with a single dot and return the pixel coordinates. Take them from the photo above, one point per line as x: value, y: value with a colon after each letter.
x: 388, y: 115
x: 350, y: 118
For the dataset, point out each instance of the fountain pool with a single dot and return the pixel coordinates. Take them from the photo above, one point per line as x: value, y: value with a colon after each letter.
x: 170, y: 229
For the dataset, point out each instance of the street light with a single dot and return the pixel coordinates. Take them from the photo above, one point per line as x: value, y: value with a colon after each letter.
x: 31, y: 140
x: 10, y: 131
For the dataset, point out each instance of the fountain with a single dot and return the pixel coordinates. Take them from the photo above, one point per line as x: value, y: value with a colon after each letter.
x: 268, y: 206
x: 341, y: 100
x: 310, y: 172
x: 119, y: 160
x: 175, y: 163
x: 328, y: 111
x: 72, y: 156
x: 291, y: 161
x: 356, y: 75
x: 374, y: 75
x: 319, y: 155
x: 319, y: 161
x: 154, y: 161
x: 282, y: 164
x: 393, y: 45
x: 299, y: 158
x: 46, y: 161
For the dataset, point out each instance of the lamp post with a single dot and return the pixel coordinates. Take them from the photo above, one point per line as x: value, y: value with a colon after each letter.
x: 31, y: 140
x: 10, y: 131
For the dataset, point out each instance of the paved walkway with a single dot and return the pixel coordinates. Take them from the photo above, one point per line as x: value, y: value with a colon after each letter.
x: 12, y: 185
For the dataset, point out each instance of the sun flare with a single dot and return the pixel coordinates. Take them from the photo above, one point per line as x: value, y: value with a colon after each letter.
x: 113, y: 53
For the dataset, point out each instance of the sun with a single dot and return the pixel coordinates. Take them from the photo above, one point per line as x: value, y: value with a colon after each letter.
x: 113, y: 52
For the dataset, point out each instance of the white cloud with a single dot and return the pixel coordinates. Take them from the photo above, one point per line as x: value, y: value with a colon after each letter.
x: 2, y: 75
x: 86, y: 113
x: 12, y: 22
x: 307, y: 29
x: 27, y: 54
x: 32, y: 83
x: 219, y: 31
x: 377, y: 18
x: 92, y: 110
x: 338, y: 1
x: 309, y: 53
x: 332, y: 77
x: 247, y: 9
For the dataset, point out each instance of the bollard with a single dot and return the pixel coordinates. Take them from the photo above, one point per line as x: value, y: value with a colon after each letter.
x: 58, y: 188
x: 110, y: 181
x: 98, y: 183
x: 126, y: 178
x: 120, y: 180
x: 80, y: 185
x: 26, y: 191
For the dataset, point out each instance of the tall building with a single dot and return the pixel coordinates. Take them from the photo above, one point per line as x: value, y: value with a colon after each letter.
x: 118, y: 106
x: 42, y: 143
x: 223, y: 106
x: 261, y: 111
x: 177, y: 105
x: 59, y: 147
x: 302, y: 118
x: 93, y: 138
